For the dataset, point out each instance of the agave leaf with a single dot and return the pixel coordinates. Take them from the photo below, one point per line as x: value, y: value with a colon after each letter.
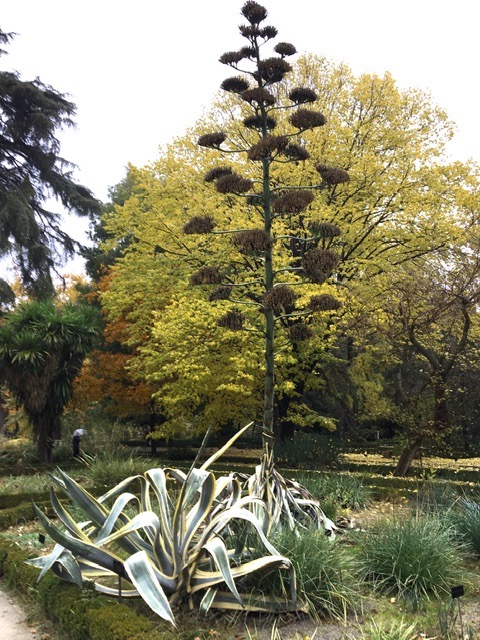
x: 60, y: 555
x: 83, y: 499
x: 65, y: 517
x: 198, y: 515
x: 195, y: 480
x: 218, y: 551
x: 207, y: 600
x: 140, y: 521
x: 79, y: 547
x: 163, y: 542
x: 110, y: 591
x: 119, y: 488
x: 192, y: 484
x: 91, y: 570
x: 225, y: 600
x: 177, y: 474
x: 158, y: 484
x: 67, y: 566
x: 117, y: 509
x: 222, y: 520
x: 208, y: 579
x: 218, y: 454
x: 140, y: 572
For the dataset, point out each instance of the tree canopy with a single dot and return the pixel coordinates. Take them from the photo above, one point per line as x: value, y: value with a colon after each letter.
x: 404, y: 201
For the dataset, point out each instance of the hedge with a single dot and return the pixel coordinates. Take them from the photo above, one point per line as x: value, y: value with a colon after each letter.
x: 80, y: 614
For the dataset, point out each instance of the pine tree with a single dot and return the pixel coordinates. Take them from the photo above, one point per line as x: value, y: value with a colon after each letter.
x: 31, y: 172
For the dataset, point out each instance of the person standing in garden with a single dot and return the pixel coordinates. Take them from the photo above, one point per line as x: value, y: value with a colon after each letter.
x: 77, y: 437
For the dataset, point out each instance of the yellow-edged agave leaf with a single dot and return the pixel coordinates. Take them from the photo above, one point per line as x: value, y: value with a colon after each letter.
x: 117, y: 509
x: 142, y: 520
x: 206, y: 601
x: 235, y: 513
x: 207, y: 579
x: 199, y: 513
x: 84, y: 549
x: 193, y: 484
x: 83, y: 499
x: 225, y: 447
x: 64, y: 558
x: 110, y: 591
x: 225, y: 600
x: 218, y: 551
x: 66, y: 518
x: 119, y: 488
x: 140, y: 572
x: 90, y: 570
x: 177, y: 474
x: 156, y: 480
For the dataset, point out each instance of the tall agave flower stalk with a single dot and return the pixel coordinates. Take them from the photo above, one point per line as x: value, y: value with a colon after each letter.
x: 256, y: 86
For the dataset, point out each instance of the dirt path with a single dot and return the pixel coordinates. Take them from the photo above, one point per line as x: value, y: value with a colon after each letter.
x: 13, y: 622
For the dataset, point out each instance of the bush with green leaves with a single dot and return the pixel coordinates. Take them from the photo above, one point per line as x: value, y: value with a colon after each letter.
x: 167, y: 542
x: 415, y: 558
x: 308, y: 451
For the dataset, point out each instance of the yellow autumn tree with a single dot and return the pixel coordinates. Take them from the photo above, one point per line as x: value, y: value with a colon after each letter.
x: 399, y: 204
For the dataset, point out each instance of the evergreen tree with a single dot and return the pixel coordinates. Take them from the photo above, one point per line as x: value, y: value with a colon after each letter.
x: 32, y: 172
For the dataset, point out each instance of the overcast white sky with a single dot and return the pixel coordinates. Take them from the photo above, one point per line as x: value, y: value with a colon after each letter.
x: 141, y: 72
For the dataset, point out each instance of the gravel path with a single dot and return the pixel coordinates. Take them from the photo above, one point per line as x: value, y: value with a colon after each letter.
x: 13, y: 625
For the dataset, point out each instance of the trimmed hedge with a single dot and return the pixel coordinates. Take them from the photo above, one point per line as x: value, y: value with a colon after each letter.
x: 79, y: 614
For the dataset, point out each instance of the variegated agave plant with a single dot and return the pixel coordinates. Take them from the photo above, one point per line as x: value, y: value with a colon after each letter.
x: 167, y: 548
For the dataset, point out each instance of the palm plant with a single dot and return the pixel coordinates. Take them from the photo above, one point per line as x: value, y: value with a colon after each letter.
x: 168, y: 542
x: 42, y: 348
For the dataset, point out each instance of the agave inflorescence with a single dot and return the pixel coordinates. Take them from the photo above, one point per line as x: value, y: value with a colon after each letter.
x: 169, y: 548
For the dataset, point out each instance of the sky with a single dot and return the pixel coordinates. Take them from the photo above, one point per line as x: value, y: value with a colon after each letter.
x: 140, y: 73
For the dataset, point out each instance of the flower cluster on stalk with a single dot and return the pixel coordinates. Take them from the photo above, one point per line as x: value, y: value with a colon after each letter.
x: 254, y: 83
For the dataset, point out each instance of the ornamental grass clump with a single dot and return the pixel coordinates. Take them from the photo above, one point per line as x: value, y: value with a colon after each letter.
x: 395, y: 631
x: 326, y: 572
x: 465, y: 517
x: 415, y: 558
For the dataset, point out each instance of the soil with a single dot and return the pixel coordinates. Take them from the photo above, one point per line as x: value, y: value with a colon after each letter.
x: 13, y: 620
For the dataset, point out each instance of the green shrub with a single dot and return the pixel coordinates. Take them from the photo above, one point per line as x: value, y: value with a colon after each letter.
x: 415, y: 558
x: 23, y: 512
x: 327, y: 579
x: 308, y: 451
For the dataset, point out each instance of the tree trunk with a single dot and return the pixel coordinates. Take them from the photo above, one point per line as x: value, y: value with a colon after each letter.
x: 407, y: 457
x: 441, y: 418
x: 43, y: 429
